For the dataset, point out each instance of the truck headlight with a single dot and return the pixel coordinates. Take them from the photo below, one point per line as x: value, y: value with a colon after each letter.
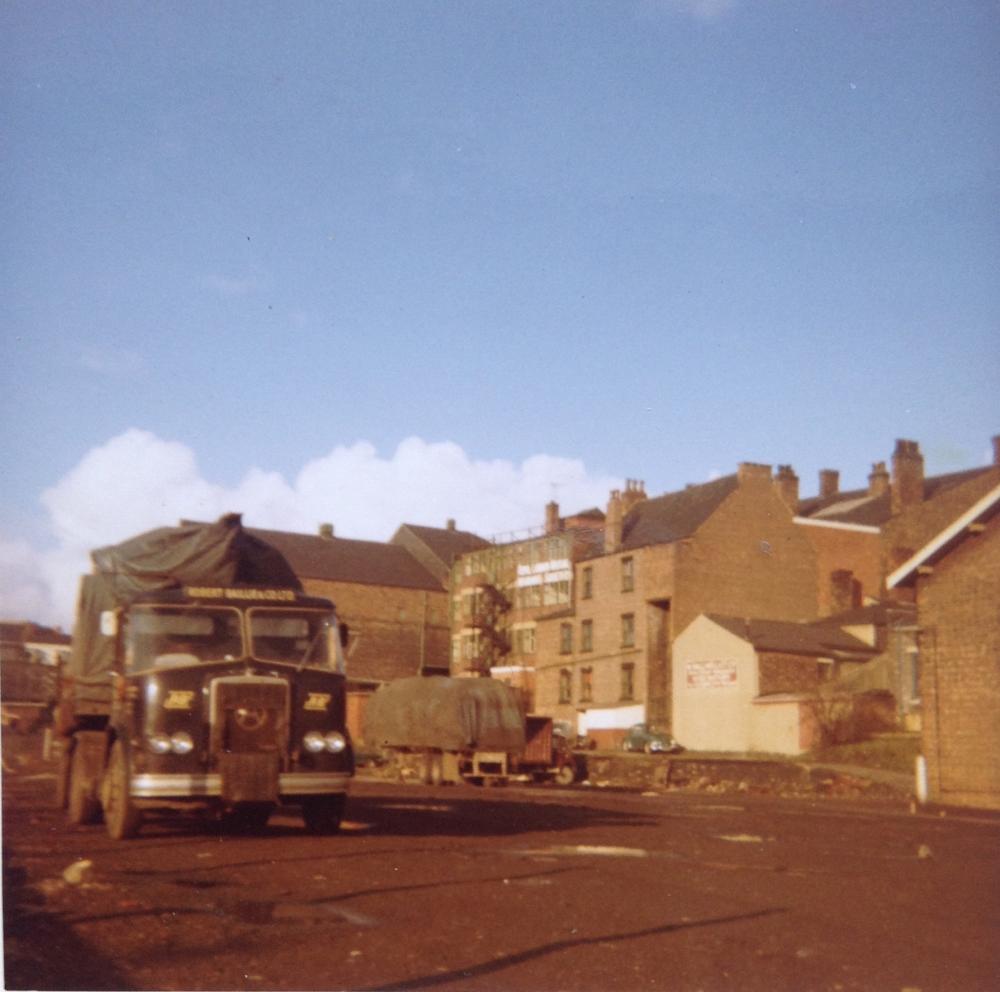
x: 181, y: 742
x: 158, y: 743
x: 335, y: 742
x: 313, y: 742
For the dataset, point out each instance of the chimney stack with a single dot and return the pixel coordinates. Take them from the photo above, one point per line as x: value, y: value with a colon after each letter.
x: 878, y: 480
x: 787, y: 484
x: 907, y: 475
x: 552, y: 517
x: 326, y: 530
x: 829, y: 482
x: 450, y: 523
x: 635, y: 492
x: 842, y: 591
x: 748, y: 471
x: 996, y: 449
x: 613, y: 523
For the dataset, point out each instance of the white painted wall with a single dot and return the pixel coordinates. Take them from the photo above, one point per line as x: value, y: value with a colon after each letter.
x: 714, y: 683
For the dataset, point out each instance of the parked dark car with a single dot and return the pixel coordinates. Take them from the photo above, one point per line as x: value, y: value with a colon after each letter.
x: 651, y: 740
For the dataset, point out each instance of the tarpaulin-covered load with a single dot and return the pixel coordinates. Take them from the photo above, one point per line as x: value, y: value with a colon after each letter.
x: 446, y: 714
x: 219, y: 554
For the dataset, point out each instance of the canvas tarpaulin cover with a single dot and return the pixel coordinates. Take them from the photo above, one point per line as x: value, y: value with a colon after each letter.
x: 218, y: 554
x: 446, y: 714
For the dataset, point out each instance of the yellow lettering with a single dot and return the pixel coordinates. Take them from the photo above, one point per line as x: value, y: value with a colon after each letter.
x: 178, y: 699
x: 317, y: 701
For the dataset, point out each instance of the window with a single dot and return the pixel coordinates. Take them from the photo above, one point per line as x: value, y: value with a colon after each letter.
x: 587, y: 635
x: 628, y: 630
x: 524, y: 640
x: 587, y: 583
x: 586, y: 685
x: 628, y: 574
x: 565, y: 638
x: 565, y: 686
x: 628, y: 681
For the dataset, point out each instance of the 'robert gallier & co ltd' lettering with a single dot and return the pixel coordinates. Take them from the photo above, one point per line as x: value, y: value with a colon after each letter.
x: 264, y: 595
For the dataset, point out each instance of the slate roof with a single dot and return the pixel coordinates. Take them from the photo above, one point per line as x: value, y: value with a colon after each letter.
x: 446, y: 544
x: 674, y: 516
x: 788, y: 637
x: 858, y: 507
x: 336, y: 559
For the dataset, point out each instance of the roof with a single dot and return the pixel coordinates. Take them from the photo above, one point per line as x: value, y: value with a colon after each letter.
x: 674, y: 516
x: 336, y: 559
x: 445, y: 543
x: 858, y: 506
x: 947, y: 539
x: 789, y: 637
x: 26, y: 632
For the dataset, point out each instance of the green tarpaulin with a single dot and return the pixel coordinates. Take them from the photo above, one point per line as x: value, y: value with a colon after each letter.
x: 219, y: 554
x: 446, y: 714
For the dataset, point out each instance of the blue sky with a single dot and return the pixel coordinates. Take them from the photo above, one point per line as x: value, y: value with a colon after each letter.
x: 554, y: 245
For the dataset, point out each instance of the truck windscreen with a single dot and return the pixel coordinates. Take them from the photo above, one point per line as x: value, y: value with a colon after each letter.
x: 165, y: 636
x: 303, y: 637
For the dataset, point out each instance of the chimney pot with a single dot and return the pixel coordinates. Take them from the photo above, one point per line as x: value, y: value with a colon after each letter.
x: 326, y: 530
x: 450, y: 523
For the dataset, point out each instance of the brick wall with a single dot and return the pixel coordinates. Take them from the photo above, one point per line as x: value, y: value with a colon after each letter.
x: 749, y: 559
x: 858, y: 552
x: 906, y: 533
x: 958, y: 615
x: 787, y: 672
x: 393, y: 630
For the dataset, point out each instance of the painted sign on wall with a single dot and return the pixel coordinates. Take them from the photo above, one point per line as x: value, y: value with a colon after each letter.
x: 710, y: 674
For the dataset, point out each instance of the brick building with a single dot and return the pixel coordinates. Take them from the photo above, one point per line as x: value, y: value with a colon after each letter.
x: 955, y: 578
x: 583, y: 616
x: 861, y: 535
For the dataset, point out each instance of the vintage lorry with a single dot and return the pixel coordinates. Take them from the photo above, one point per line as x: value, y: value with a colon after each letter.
x: 466, y: 729
x: 202, y: 676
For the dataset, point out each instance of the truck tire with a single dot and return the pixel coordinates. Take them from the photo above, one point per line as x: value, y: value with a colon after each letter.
x: 81, y: 803
x: 121, y: 816
x: 322, y: 814
x: 433, y: 772
x: 565, y: 775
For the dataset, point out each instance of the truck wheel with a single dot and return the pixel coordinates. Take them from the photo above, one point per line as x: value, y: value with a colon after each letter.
x: 565, y: 775
x: 322, y: 814
x: 433, y: 768
x: 81, y: 803
x: 121, y: 816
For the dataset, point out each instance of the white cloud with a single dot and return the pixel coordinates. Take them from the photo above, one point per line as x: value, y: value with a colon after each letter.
x: 137, y: 481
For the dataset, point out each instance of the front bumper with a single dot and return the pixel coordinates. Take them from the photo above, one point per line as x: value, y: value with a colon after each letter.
x: 163, y: 786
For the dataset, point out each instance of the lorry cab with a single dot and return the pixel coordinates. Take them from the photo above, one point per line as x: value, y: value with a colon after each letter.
x: 230, y: 698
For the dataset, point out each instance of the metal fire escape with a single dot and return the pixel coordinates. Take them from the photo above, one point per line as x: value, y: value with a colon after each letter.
x: 490, y: 607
